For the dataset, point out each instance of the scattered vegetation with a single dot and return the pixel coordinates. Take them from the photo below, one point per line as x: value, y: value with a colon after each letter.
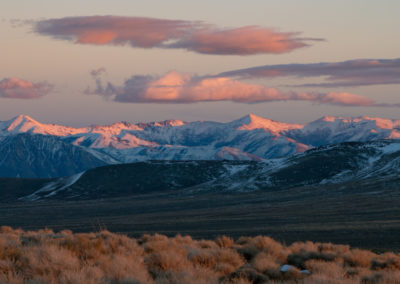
x: 38, y: 257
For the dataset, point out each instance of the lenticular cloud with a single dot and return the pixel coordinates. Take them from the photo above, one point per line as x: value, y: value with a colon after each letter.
x: 162, y: 33
x: 175, y: 87
x: 15, y: 88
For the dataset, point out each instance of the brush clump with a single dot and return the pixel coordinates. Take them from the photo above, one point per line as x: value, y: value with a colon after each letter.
x: 45, y: 256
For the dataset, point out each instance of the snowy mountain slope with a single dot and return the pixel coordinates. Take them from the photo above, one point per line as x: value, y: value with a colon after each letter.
x: 247, y: 138
x: 351, y: 165
x: 26, y: 155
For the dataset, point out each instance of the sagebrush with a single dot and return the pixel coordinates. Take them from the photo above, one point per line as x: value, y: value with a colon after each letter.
x: 47, y: 257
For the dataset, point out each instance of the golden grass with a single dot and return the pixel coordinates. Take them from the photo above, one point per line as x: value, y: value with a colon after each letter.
x: 39, y: 257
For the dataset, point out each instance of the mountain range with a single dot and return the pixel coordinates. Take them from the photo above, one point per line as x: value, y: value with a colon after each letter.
x: 334, y: 179
x: 367, y: 166
x: 32, y: 149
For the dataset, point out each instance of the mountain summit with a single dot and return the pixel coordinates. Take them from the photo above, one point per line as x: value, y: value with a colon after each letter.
x: 20, y: 123
x: 252, y: 121
x: 25, y: 124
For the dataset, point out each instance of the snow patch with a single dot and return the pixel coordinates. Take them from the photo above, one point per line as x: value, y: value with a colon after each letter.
x: 391, y: 148
x: 53, y: 188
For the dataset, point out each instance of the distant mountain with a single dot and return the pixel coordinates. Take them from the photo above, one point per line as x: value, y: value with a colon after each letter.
x: 332, y: 130
x: 248, y: 138
x: 352, y: 165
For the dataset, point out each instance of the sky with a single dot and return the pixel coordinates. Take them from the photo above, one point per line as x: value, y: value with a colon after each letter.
x: 97, y: 62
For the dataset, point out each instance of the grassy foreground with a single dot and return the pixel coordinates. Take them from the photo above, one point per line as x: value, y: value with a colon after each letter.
x: 46, y: 257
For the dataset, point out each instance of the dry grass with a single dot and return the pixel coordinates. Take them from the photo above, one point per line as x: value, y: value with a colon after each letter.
x: 39, y: 257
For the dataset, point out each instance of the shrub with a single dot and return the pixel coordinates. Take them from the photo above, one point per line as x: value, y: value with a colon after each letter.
x: 47, y: 257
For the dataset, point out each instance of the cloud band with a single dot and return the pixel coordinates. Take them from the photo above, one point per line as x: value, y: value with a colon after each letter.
x: 194, y: 36
x: 175, y: 87
x: 350, y: 73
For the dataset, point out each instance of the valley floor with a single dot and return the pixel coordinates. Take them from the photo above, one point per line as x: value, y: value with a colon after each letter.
x: 364, y: 219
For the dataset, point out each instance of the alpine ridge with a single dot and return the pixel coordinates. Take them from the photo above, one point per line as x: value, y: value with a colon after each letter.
x: 248, y: 138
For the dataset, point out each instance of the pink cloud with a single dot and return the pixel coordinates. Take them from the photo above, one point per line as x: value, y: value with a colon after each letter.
x: 149, y: 32
x: 347, y: 99
x: 175, y: 87
x: 241, y: 41
x: 20, y: 89
x: 101, y: 30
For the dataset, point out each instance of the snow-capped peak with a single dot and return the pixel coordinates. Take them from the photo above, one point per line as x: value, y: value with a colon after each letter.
x: 22, y: 123
x: 23, y: 117
x: 383, y: 123
x: 173, y: 122
x: 329, y: 118
x: 251, y: 122
x: 169, y: 122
